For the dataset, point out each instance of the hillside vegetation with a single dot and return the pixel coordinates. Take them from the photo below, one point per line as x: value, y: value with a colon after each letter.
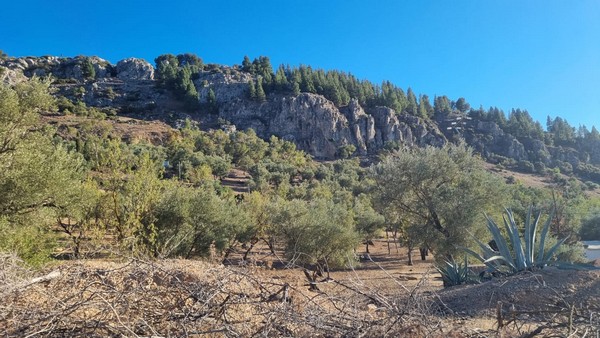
x: 88, y: 175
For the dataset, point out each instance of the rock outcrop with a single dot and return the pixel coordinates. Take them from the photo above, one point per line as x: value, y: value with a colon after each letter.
x: 135, y: 69
x: 227, y: 84
x: 11, y: 76
x: 58, y: 67
x: 317, y: 126
x: 488, y: 138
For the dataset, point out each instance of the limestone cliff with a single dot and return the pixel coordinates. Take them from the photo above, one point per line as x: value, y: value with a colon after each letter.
x: 311, y: 121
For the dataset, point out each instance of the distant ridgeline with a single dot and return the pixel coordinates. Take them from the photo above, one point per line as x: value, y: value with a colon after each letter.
x: 329, y: 114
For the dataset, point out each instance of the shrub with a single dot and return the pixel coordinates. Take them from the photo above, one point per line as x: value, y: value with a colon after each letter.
x: 591, y: 185
x: 590, y: 228
x: 539, y: 167
x: 525, y: 166
x: 565, y: 167
x: 346, y: 151
x: 32, y: 244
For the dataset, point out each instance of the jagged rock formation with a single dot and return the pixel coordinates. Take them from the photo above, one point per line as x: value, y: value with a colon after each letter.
x: 311, y: 121
x: 488, y: 138
x: 134, y: 69
x: 72, y: 68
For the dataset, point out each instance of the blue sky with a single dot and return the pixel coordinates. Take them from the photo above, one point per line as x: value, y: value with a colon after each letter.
x: 538, y: 55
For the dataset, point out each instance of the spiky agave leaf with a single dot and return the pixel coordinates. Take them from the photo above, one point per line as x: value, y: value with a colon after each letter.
x: 521, y: 254
x: 501, y: 242
x: 530, y: 236
x: 517, y: 244
x: 540, y: 256
x: 488, y: 253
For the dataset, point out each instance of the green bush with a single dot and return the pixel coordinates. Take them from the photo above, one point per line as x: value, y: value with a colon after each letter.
x: 526, y: 167
x: 316, y: 232
x: 565, y: 167
x: 590, y: 228
x: 540, y: 168
x: 32, y: 244
x: 87, y: 68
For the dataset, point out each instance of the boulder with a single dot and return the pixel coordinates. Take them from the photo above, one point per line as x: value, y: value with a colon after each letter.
x: 11, y: 76
x: 135, y: 69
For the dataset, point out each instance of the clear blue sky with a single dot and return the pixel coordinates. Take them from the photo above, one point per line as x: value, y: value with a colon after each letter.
x: 539, y: 55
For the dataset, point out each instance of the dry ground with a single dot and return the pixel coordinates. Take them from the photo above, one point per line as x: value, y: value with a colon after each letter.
x: 383, y: 296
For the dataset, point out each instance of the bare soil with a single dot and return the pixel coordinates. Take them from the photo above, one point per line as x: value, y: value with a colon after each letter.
x: 128, y: 129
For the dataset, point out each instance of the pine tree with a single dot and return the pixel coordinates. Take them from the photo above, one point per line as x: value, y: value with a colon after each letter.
x: 296, y: 88
x: 251, y: 89
x: 441, y: 106
x: 462, y: 105
x: 260, y: 92
x: 412, y: 106
x: 425, y: 108
x: 281, y: 82
x: 246, y: 64
x: 87, y: 68
x: 166, y: 69
x: 211, y: 99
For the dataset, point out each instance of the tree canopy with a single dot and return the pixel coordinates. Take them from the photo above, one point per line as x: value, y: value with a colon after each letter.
x: 442, y: 191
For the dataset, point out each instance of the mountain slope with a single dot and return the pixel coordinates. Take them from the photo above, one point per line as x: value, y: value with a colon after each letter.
x: 319, y: 122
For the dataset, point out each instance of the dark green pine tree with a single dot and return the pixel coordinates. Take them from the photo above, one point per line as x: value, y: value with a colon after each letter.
x: 441, y: 106
x: 411, y: 107
x: 425, y: 108
x: 184, y: 87
x: 247, y: 65
x: 166, y: 69
x: 462, y: 105
x: 281, y: 82
x: 260, y: 92
x: 251, y: 90
x: 296, y: 88
x: 211, y: 100
x: 87, y: 68
x: 594, y: 135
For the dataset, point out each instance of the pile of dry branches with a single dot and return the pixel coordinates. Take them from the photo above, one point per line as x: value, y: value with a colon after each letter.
x: 182, y: 298
x: 187, y: 298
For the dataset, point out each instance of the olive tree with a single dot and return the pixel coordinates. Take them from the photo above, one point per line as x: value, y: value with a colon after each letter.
x: 444, y: 192
x: 36, y: 173
x: 192, y: 221
x: 368, y: 222
x: 316, y: 232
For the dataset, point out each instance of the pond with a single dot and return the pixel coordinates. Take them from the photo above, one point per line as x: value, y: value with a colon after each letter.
x: 592, y: 250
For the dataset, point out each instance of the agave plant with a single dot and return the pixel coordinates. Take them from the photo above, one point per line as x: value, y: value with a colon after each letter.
x: 454, y: 273
x: 514, y: 253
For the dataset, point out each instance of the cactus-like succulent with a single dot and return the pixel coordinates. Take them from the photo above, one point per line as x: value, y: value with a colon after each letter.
x: 515, y: 254
x: 454, y: 273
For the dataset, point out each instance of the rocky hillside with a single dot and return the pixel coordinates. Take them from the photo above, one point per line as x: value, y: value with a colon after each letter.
x: 315, y: 123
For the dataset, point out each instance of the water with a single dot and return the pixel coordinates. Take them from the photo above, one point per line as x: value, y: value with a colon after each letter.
x: 593, y: 249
